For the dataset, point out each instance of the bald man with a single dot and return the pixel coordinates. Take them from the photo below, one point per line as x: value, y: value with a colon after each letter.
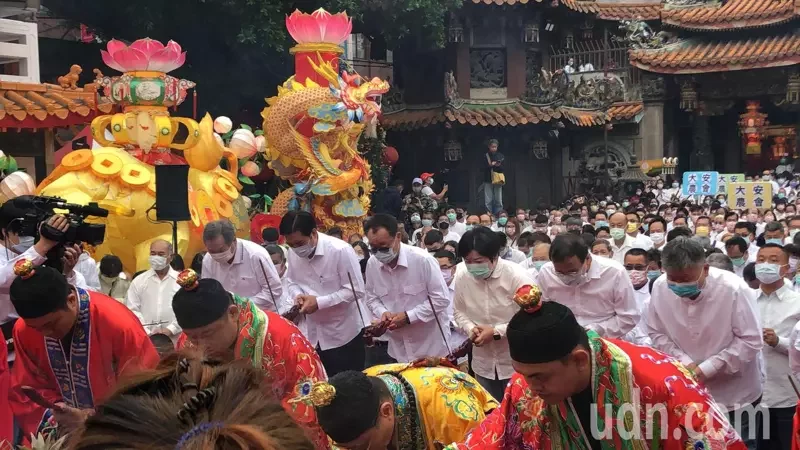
x: 150, y: 294
x: 486, y: 220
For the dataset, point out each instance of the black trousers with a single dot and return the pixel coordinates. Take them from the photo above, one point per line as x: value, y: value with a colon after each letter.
x: 780, y: 429
x: 378, y: 354
x: 350, y: 356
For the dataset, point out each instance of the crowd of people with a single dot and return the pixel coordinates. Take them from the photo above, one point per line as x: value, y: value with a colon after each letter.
x: 434, y: 327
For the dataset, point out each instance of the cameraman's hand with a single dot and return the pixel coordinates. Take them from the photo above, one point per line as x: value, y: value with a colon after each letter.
x: 56, y: 221
x: 71, y: 255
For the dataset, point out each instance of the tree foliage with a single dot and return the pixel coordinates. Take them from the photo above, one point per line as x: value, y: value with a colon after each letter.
x: 237, y: 49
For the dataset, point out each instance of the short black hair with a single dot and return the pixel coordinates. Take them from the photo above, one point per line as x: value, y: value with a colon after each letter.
x: 588, y: 238
x: 525, y: 239
x: 502, y: 237
x: 541, y: 219
x: 481, y: 239
x: 601, y: 242
x: 771, y: 245
x: 445, y: 254
x: 301, y: 221
x: 598, y: 230
x: 660, y: 220
x: 539, y: 237
x: 566, y: 246
x: 270, y: 234
x: 378, y: 221
x: 773, y: 226
x: 177, y: 262
x: 678, y: 232
x: 751, y: 227
x: 110, y: 265
x: 731, y: 214
x: 737, y: 241
x: 637, y: 252
x: 197, y: 263
x: 335, y: 232
x: 273, y: 249
x: 749, y: 272
x: 654, y: 255
x: 433, y: 237
x: 43, y: 292
x: 354, y: 408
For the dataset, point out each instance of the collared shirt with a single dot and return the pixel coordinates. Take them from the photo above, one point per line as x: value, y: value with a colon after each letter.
x: 780, y: 311
x: 7, y: 276
x: 150, y: 299
x: 489, y: 302
x: 619, y: 252
x: 639, y: 335
x: 325, y: 275
x: 514, y: 255
x: 458, y: 227
x: 642, y: 241
x: 245, y: 275
x: 719, y: 331
x: 452, y: 236
x: 411, y: 286
x: 88, y: 268
x: 603, y: 302
x: 794, y: 351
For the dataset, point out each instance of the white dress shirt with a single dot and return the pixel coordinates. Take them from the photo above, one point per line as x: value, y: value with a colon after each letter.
x: 325, y: 275
x: 642, y: 241
x: 451, y: 236
x: 515, y: 256
x: 639, y: 334
x: 719, y: 331
x: 88, y: 268
x: 407, y: 288
x: 603, y: 302
x: 619, y: 252
x: 458, y: 227
x: 794, y: 351
x: 781, y: 312
x: 7, y: 276
x: 150, y: 299
x: 489, y: 302
x: 245, y: 275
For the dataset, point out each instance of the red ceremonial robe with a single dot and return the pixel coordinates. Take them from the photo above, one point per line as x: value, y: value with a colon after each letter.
x: 290, y: 364
x: 108, y: 341
x: 645, y: 400
x: 6, y: 416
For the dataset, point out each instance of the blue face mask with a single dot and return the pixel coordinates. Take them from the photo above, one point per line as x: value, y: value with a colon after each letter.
x: 480, y: 271
x: 774, y: 241
x: 738, y: 262
x: 502, y: 221
x: 600, y: 223
x: 470, y: 226
x: 684, y: 289
x: 427, y: 222
x: 653, y: 274
x: 539, y: 264
x: 646, y: 227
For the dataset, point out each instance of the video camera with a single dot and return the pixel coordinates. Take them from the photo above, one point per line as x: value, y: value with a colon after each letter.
x: 34, y: 211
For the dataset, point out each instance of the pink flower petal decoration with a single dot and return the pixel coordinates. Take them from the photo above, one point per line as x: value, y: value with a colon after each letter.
x: 174, y: 46
x: 109, y: 61
x: 131, y: 59
x: 148, y: 46
x: 114, y: 46
x: 319, y: 26
x: 164, y: 60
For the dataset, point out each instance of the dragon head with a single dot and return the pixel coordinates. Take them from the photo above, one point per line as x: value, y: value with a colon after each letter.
x: 361, y: 98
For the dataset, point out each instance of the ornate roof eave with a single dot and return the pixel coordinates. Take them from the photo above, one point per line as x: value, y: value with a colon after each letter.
x: 616, y: 10
x: 731, y: 15
x: 696, y: 56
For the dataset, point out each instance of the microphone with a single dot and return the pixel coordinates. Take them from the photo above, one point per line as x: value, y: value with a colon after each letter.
x: 30, y: 201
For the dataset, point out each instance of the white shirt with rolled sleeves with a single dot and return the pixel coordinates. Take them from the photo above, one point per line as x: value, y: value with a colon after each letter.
x: 719, y: 331
x: 603, y: 302
x: 781, y: 312
x: 324, y: 275
x: 407, y: 288
x: 489, y: 302
x: 245, y: 277
x: 150, y: 299
x: 619, y: 252
x: 639, y: 335
x: 88, y: 268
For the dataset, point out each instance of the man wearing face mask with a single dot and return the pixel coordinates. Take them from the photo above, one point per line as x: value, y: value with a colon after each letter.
x: 150, y: 294
x: 278, y: 256
x: 323, y: 275
x: 447, y: 264
x: 737, y: 250
x: 502, y: 220
x: 707, y: 318
x: 636, y: 265
x: 405, y: 287
x: 657, y: 232
x: 456, y: 226
x: 779, y: 308
x: 621, y: 241
x: 241, y: 266
x: 483, y: 305
x: 416, y: 202
x: 574, y: 276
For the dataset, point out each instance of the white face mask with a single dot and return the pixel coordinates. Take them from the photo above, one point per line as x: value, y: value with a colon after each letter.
x: 304, y: 251
x: 223, y: 257
x: 158, y: 262
x: 448, y: 275
x: 25, y: 242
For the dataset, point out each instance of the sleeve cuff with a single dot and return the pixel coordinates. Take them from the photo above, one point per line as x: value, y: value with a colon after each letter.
x: 174, y: 329
x: 324, y: 302
x: 501, y: 329
x: 467, y: 328
x: 708, y: 369
x: 783, y: 345
x: 412, y: 316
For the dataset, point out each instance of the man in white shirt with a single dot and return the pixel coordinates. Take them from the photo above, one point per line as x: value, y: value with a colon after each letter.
x: 484, y: 304
x: 706, y: 318
x: 324, y: 278
x: 598, y: 290
x: 636, y: 265
x: 747, y: 231
x: 456, y: 226
x: 621, y: 242
x: 632, y: 228
x: 150, y: 294
x: 88, y: 268
x: 657, y: 231
x: 278, y: 256
x: 737, y: 250
x: 405, y: 287
x: 242, y: 267
x: 447, y: 264
x: 510, y: 253
x: 779, y: 308
x: 444, y: 227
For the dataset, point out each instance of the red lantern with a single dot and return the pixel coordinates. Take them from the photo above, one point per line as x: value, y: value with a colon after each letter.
x: 390, y: 156
x: 261, y: 221
x: 265, y: 175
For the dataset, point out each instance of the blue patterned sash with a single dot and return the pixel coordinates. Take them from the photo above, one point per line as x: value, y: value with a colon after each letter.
x: 73, y: 375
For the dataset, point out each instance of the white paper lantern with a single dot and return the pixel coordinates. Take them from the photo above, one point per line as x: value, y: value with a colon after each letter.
x: 16, y: 184
x: 243, y: 143
x: 223, y: 125
x: 261, y: 143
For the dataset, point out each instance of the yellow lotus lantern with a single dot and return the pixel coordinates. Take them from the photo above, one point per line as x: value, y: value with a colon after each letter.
x: 120, y: 176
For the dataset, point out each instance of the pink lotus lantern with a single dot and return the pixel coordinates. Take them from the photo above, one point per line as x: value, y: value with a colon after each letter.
x: 317, y: 33
x: 144, y: 54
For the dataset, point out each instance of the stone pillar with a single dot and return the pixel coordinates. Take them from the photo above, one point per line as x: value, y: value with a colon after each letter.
x: 701, y: 145
x: 652, y: 131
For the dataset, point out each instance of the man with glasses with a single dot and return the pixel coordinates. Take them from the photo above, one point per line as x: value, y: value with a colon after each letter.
x: 747, y: 231
x: 636, y: 265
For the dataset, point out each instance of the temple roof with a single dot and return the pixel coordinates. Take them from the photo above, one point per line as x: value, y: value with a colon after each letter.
x: 506, y: 113
x: 707, y: 55
x: 732, y: 14
x: 616, y: 10
x: 28, y: 105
